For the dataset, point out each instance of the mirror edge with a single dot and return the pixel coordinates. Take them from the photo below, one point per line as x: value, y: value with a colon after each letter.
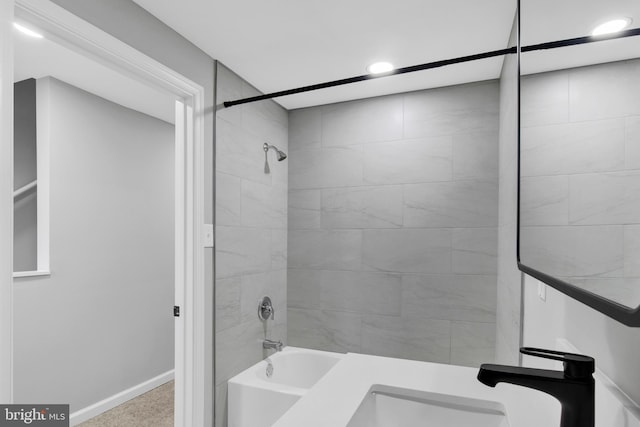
x: 623, y: 314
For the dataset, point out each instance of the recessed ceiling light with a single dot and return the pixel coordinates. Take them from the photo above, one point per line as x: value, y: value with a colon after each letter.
x: 380, y: 67
x: 612, y: 26
x: 27, y: 31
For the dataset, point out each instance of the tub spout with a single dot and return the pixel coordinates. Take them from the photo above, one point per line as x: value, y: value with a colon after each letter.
x: 269, y: 344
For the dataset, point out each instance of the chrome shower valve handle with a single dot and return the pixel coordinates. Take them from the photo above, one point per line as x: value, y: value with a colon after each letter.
x: 266, y: 310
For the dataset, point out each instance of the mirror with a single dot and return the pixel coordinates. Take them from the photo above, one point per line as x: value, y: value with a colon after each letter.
x: 580, y: 153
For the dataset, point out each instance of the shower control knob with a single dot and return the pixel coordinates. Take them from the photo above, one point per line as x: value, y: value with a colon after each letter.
x: 265, y: 309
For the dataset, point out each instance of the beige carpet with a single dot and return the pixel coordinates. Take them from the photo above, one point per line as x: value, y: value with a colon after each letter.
x: 152, y: 409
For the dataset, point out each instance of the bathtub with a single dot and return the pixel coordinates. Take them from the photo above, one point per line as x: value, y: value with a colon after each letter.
x: 258, y: 400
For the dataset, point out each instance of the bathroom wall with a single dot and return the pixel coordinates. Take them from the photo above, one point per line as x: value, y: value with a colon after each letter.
x: 130, y: 23
x: 580, y: 166
x: 251, y: 230
x: 583, y: 104
x: 614, y: 346
x: 393, y: 215
x: 101, y: 322
x: 25, y: 236
x: 509, y: 306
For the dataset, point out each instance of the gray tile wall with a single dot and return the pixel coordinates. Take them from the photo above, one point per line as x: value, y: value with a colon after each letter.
x: 581, y: 176
x: 393, y: 215
x: 251, y: 230
x: 509, y: 307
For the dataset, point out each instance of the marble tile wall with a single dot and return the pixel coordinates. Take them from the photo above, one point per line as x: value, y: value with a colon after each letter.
x: 581, y: 185
x: 509, y: 307
x: 393, y: 215
x: 251, y: 231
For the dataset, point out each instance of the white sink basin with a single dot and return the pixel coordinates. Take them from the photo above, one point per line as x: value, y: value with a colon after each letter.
x: 386, y: 406
x: 371, y: 391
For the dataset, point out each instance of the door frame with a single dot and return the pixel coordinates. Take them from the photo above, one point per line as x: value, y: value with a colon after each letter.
x: 65, y: 28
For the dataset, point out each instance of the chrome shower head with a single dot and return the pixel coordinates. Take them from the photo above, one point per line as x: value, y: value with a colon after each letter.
x: 281, y: 155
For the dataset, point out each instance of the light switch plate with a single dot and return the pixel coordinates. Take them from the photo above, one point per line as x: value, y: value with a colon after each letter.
x: 542, y: 291
x: 208, y: 236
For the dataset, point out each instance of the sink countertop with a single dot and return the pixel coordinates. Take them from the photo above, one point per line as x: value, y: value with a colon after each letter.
x: 336, y: 397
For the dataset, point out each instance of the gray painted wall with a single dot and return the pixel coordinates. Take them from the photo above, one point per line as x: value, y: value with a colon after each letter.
x: 101, y: 322
x: 393, y: 215
x: 508, y: 316
x: 614, y: 346
x: 251, y: 230
x: 24, y: 131
x: 133, y: 25
x: 25, y: 233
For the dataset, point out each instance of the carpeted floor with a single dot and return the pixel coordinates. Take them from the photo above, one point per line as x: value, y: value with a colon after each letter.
x: 152, y: 409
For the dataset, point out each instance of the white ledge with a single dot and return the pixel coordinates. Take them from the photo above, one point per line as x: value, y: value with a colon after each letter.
x: 31, y: 273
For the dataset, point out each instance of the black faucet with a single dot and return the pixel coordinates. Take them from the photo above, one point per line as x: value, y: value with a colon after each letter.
x: 574, y: 387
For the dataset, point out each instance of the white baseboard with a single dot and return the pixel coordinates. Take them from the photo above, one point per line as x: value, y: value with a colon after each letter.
x: 118, y: 399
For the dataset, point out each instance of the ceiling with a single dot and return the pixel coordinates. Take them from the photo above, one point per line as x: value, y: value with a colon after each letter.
x: 283, y: 44
x: 549, y: 20
x: 36, y: 58
x: 286, y: 44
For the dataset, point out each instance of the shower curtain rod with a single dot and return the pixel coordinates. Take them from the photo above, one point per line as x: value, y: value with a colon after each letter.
x: 364, y: 77
x: 436, y: 64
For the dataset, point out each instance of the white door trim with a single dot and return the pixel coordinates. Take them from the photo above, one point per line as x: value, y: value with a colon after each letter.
x: 62, y: 26
x: 6, y: 201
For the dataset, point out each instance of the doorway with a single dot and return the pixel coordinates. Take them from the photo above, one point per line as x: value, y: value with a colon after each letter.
x: 83, y: 39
